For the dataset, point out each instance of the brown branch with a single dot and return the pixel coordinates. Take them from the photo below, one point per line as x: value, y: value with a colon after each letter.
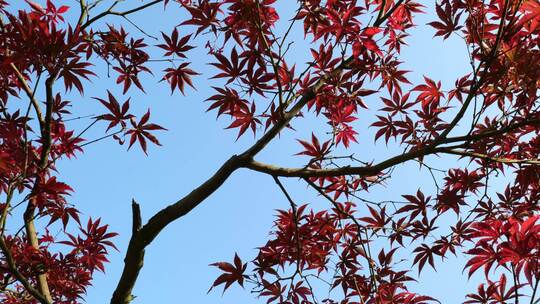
x: 12, y: 266
x: 493, y: 133
x: 381, y: 19
x: 30, y: 228
x: 347, y: 170
x: 374, y: 170
x: 476, y: 87
x: 5, y: 212
x: 493, y: 159
x: 137, y: 220
x: 534, y: 291
x: 84, y: 12
x: 135, y: 253
x: 381, y: 11
x: 123, y: 14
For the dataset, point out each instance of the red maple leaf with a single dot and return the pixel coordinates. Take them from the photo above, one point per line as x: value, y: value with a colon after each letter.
x: 233, y: 273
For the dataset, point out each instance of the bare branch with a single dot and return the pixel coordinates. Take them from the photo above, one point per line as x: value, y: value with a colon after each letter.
x: 123, y: 14
x: 493, y: 159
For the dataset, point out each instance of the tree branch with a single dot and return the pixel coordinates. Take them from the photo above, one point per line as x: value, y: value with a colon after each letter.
x: 492, y: 133
x: 31, y: 232
x: 347, y: 170
x: 124, y: 13
x: 135, y: 252
x: 84, y: 12
x: 476, y: 87
x: 137, y: 220
x: 493, y: 159
x: 133, y: 261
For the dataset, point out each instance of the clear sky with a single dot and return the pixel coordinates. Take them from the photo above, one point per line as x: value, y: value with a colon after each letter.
x: 238, y: 217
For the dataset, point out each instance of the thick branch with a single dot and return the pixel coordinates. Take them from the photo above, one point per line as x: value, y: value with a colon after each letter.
x: 135, y: 253
x: 137, y: 220
x: 84, y: 12
x: 374, y: 170
x: 31, y: 232
x: 11, y: 264
x: 347, y: 170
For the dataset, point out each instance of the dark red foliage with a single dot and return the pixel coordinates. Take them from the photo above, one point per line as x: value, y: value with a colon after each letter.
x: 179, y: 77
x: 486, y: 125
x: 233, y: 273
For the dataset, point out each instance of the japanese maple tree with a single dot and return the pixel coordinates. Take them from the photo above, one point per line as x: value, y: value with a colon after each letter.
x: 354, y: 250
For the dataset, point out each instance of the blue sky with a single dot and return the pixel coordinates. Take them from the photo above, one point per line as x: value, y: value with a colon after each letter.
x: 238, y: 217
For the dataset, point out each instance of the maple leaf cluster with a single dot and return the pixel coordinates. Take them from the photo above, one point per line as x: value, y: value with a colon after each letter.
x: 336, y: 246
x: 40, y: 47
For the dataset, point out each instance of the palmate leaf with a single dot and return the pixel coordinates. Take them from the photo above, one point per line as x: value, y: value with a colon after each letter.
x: 245, y: 120
x: 227, y: 101
x: 449, y: 20
x: 117, y: 114
x: 179, y: 77
x: 175, y: 46
x: 232, y: 69
x: 203, y: 16
x: 73, y: 71
x: 141, y: 132
x: 314, y: 149
x: 430, y: 92
x: 233, y: 273
x: 377, y: 220
x: 418, y: 204
x: 424, y: 254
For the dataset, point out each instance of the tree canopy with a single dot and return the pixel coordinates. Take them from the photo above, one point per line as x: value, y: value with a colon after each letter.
x: 356, y: 249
